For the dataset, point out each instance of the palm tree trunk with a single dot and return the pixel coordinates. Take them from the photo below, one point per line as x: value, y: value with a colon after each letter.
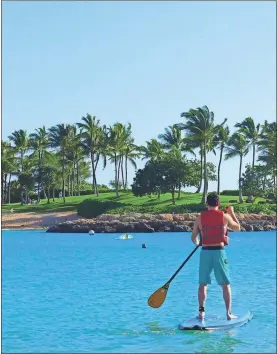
x: 207, y: 186
x: 77, y: 176
x: 115, y: 175
x: 94, y: 182
x: 93, y: 172
x: 179, y: 189
x: 173, y: 196
x: 204, y: 195
x: 264, y: 181
x: 38, y: 196
x: 126, y: 172
x: 63, y: 177
x: 2, y: 188
x: 254, y: 150
x: 73, y: 181
x: 95, y: 168
x: 48, y: 195
x: 21, y: 194
x: 9, y: 189
x: 118, y: 169
x: 240, y: 191
x: 39, y: 164
x: 21, y: 159
x: 122, y: 173
x: 5, y: 189
x: 68, y: 185
x: 201, y: 171
x: 218, y: 169
x: 179, y: 192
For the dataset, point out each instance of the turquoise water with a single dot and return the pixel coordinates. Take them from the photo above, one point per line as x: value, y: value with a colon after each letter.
x: 75, y: 293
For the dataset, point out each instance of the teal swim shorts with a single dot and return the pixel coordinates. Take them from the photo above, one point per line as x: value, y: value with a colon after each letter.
x: 213, y: 260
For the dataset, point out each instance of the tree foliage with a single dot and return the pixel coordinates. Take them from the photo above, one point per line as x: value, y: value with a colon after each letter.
x: 66, y: 157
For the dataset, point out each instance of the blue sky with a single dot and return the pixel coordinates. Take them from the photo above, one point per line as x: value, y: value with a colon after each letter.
x: 138, y: 62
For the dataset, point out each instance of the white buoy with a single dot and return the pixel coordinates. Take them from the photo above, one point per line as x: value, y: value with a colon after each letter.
x: 91, y: 232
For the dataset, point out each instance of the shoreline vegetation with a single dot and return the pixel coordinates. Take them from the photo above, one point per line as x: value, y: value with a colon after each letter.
x: 63, y: 161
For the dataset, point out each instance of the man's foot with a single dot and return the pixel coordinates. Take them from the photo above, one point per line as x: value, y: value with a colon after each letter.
x: 231, y: 317
x: 201, y: 316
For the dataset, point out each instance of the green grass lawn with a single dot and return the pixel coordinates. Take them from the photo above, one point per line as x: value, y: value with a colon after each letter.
x: 126, y: 200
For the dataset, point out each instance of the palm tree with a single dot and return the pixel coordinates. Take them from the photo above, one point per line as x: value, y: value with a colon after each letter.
x: 92, y: 137
x: 267, y: 147
x: 20, y: 140
x: 200, y: 127
x: 21, y: 144
x: 74, y: 154
x: 39, y: 142
x: 27, y: 177
x: 173, y: 138
x: 221, y: 141
x: 127, y: 140
x: 59, y: 138
x: 131, y: 153
x: 173, y: 141
x: 115, y: 145
x: 237, y: 146
x: 153, y: 150
x: 251, y: 132
x: 8, y: 167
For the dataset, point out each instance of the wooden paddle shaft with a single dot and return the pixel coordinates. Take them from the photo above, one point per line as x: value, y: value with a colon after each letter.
x: 181, y: 266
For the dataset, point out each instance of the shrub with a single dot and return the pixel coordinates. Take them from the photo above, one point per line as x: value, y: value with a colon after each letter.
x: 189, y: 208
x: 90, y: 208
x: 91, y: 192
x: 232, y: 192
x: 256, y: 209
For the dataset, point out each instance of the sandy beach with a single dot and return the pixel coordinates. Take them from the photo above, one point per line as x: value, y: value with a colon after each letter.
x: 35, y: 220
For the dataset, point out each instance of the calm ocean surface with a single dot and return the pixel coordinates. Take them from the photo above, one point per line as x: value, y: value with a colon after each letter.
x: 70, y: 293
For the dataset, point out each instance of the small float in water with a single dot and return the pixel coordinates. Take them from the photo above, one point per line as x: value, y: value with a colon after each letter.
x: 125, y: 237
x: 91, y: 232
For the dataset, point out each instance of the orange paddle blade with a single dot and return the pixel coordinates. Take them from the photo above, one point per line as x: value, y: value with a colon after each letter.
x: 157, y: 298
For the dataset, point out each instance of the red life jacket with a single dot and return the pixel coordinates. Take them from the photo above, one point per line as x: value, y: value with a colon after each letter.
x: 213, y: 228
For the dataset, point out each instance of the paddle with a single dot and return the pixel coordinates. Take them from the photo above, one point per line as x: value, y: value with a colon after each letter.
x: 157, y: 298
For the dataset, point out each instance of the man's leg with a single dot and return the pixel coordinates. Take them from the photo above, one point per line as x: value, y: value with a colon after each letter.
x: 227, y: 296
x: 202, y: 296
x: 221, y: 272
x: 205, y: 270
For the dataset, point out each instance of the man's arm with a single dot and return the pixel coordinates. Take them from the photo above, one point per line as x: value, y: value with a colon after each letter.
x: 232, y: 221
x: 195, y: 231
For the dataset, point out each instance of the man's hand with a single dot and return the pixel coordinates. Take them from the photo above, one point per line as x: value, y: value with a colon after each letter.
x: 230, y: 210
x: 195, y: 231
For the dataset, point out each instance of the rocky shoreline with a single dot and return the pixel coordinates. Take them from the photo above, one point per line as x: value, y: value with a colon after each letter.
x: 147, y: 223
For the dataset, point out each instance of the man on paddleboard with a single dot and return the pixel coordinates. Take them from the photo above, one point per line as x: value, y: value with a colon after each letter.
x: 212, y: 226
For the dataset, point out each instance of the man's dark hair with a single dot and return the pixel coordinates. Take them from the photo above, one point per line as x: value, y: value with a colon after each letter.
x: 213, y: 199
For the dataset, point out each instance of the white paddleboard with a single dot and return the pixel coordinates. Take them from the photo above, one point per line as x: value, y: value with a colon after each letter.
x: 213, y: 322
